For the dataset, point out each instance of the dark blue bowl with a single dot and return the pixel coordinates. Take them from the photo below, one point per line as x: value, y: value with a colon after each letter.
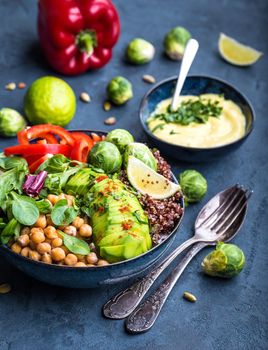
x: 92, y: 277
x: 194, y: 85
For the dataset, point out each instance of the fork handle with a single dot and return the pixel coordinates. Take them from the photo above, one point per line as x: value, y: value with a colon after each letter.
x: 145, y: 315
x: 123, y: 303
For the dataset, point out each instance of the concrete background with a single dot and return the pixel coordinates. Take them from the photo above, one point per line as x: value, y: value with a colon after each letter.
x: 228, y: 314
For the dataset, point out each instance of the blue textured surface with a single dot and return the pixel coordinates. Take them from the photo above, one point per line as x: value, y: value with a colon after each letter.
x: 228, y: 314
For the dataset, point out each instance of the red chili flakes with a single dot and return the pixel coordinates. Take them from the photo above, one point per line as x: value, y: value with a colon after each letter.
x: 124, y: 209
x: 126, y: 225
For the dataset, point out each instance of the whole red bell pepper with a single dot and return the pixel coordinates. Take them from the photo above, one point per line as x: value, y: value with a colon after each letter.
x: 77, y: 35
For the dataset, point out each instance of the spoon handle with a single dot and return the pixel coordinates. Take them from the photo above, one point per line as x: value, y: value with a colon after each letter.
x: 145, y: 315
x: 123, y: 303
x: 187, y: 60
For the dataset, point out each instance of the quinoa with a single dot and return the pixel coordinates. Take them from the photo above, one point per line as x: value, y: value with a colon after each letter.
x: 163, y: 214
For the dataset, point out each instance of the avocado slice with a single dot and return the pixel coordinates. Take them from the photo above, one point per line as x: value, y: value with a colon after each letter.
x: 120, y: 226
x: 81, y: 181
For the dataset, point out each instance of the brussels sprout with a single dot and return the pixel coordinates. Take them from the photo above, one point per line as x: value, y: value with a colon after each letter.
x: 11, y: 122
x: 106, y: 156
x: 142, y: 152
x: 175, y: 42
x: 120, y: 137
x: 140, y: 51
x: 193, y: 185
x: 119, y: 90
x: 226, y: 261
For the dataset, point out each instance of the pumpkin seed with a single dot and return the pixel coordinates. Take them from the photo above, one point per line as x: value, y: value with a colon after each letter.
x: 10, y: 86
x: 190, y: 297
x: 84, y: 96
x: 5, y: 288
x: 110, y: 121
x: 149, y: 79
x: 107, y: 106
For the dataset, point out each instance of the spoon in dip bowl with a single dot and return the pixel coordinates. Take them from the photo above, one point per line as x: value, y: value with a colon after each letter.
x: 187, y: 60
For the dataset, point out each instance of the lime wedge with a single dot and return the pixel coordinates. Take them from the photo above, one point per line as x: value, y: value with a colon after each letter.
x: 147, y: 181
x: 236, y: 53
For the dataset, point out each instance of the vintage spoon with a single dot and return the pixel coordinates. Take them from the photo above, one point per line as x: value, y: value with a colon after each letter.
x: 122, y: 304
x: 187, y: 60
x: 224, y: 226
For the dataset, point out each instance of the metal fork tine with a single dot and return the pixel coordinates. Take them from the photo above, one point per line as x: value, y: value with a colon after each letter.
x: 235, y: 212
x: 227, y: 204
x: 234, y: 188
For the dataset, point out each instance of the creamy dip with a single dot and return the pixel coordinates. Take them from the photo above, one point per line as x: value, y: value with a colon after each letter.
x: 228, y: 127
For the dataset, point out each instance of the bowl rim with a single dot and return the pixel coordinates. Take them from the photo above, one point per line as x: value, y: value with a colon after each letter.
x: 87, y: 268
x: 224, y: 82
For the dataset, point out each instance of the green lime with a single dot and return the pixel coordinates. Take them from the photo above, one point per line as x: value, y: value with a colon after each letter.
x: 50, y: 100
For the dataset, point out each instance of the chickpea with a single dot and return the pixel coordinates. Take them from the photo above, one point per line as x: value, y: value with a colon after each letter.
x: 85, y: 230
x: 46, y: 258
x: 92, y: 258
x: 56, y: 242
x: 23, y: 240
x: 25, y: 252
x: 25, y: 231
x: 102, y: 263
x: 50, y: 232
x: 53, y: 198
x: 70, y: 230
x: 16, y: 248
x: 69, y: 199
x: 43, y: 248
x: 37, y: 237
x: 70, y: 259
x: 49, y: 220
x: 80, y: 264
x: 78, y: 222
x: 41, y: 221
x: 57, y: 254
x: 34, y: 255
x: 91, y: 265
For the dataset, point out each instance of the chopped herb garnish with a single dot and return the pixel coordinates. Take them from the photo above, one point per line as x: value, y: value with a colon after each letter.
x: 190, y: 111
x: 159, y: 126
x: 172, y: 132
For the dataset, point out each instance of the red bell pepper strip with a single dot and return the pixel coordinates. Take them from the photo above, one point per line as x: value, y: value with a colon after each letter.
x: 45, y: 131
x: 35, y: 149
x: 77, y: 135
x: 35, y: 165
x: 77, y: 35
x: 80, y: 151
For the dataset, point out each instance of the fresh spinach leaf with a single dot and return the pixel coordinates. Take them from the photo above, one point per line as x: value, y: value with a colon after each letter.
x: 75, y: 245
x: 24, y: 209
x: 8, y: 163
x: 2, y: 224
x: 10, y: 230
x: 55, y: 182
x: 10, y: 180
x: 62, y: 214
x: 43, y: 206
x: 59, y: 163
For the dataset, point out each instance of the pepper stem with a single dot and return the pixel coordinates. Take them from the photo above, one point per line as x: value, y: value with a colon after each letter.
x: 86, y: 40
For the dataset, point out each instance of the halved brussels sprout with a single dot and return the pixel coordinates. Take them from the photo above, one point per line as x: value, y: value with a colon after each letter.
x: 119, y: 90
x: 175, y: 42
x: 226, y: 261
x: 140, y: 51
x: 106, y: 156
x: 120, y: 137
x: 193, y: 185
x: 11, y: 122
x: 142, y: 152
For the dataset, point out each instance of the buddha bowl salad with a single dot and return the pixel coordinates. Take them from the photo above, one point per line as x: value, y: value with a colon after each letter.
x: 71, y: 199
